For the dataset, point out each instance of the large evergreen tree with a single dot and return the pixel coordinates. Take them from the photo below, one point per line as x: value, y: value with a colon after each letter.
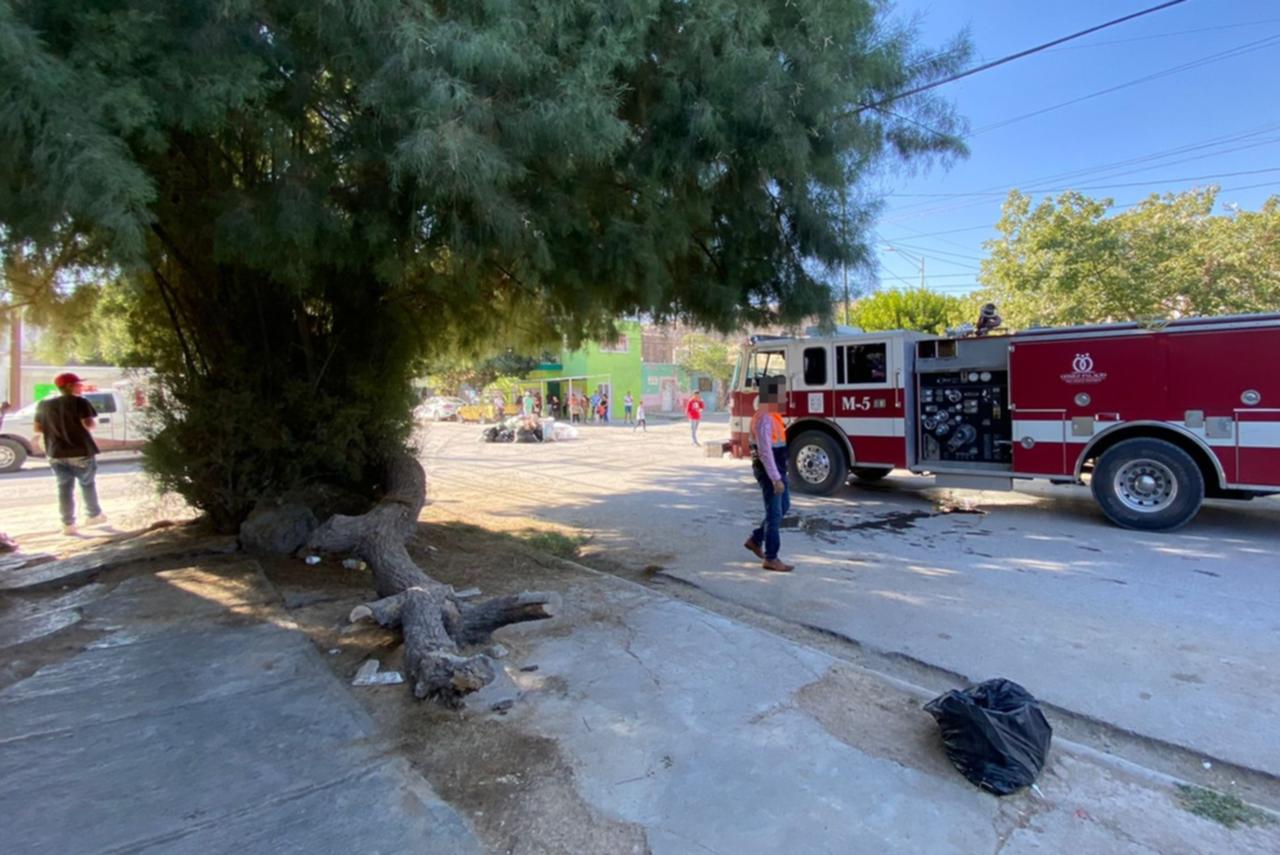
x: 308, y: 197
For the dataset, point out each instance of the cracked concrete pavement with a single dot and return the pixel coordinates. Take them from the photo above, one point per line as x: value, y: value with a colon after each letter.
x: 1170, y: 637
x: 193, y: 719
x: 198, y: 717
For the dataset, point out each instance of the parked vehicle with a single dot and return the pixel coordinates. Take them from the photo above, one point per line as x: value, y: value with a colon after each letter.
x: 1159, y: 417
x: 480, y: 411
x: 122, y: 425
x: 438, y: 409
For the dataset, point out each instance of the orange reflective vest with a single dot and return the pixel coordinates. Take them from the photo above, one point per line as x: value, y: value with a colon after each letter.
x: 779, y: 428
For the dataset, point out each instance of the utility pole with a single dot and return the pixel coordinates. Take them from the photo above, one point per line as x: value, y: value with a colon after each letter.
x: 909, y: 256
x: 15, y: 357
x: 844, y: 228
x: 846, y: 293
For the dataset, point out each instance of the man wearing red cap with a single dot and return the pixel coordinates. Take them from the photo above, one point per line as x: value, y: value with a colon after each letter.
x: 64, y: 422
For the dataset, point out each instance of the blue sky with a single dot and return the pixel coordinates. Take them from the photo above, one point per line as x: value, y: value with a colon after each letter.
x: 1226, y: 107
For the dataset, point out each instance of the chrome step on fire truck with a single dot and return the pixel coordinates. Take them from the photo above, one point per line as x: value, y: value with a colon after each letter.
x: 1159, y: 417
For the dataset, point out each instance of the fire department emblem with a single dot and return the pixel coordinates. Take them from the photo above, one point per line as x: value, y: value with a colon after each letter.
x: 1082, y: 371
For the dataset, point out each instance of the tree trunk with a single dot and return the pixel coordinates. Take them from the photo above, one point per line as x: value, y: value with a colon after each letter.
x: 436, y: 624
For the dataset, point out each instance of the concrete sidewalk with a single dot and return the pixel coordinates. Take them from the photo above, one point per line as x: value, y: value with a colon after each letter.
x: 199, y: 718
x: 196, y: 722
x: 713, y: 736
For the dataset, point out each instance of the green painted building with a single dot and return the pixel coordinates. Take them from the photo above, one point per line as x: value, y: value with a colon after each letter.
x: 616, y: 368
x: 640, y: 362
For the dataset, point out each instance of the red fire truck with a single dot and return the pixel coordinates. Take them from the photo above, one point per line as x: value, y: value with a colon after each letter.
x: 1159, y: 416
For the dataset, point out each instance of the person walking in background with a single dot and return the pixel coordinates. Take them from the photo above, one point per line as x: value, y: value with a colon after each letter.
x: 528, y: 403
x: 769, y: 465
x: 63, y: 424
x: 640, y: 419
x: 627, y: 406
x: 693, y: 410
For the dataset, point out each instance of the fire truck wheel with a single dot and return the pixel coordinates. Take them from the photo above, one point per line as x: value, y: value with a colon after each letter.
x: 870, y: 474
x: 1148, y: 484
x: 817, y: 463
x: 12, y: 455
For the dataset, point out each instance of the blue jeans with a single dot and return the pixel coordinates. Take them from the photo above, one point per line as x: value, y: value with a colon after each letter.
x: 67, y: 471
x: 776, y: 506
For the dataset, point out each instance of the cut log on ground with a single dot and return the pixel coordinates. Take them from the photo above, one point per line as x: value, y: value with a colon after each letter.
x: 437, y: 624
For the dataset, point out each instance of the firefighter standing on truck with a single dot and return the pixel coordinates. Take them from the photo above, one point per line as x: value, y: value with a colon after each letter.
x: 769, y: 465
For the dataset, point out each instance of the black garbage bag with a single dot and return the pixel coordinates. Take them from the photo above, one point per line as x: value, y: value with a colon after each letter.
x: 994, y: 733
x: 490, y: 434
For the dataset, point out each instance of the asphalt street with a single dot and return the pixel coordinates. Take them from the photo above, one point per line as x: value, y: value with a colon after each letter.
x: 1171, y: 636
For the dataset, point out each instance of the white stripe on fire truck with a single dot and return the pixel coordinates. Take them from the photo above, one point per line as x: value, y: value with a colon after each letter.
x: 872, y: 426
x: 1259, y: 434
x: 1252, y: 434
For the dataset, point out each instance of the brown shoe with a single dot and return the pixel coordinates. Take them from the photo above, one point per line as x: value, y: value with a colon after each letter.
x: 777, y: 566
x: 752, y: 546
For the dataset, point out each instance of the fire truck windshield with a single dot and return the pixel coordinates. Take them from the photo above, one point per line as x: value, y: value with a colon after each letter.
x: 765, y: 363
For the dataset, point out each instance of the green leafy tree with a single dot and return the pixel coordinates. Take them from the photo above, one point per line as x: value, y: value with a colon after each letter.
x: 1071, y: 260
x: 451, y: 376
x: 90, y: 326
x: 711, y: 356
x: 910, y: 309
x: 309, y: 200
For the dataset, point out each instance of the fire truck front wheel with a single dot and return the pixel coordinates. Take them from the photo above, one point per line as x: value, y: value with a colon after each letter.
x: 1148, y: 484
x: 818, y: 465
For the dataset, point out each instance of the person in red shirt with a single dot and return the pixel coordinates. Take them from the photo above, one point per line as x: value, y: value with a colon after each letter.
x: 693, y: 410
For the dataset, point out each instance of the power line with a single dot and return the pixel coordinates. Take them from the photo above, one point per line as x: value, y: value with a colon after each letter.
x: 927, y: 250
x: 1169, y: 34
x: 1113, y: 168
x: 1109, y: 170
x: 917, y: 234
x: 1177, y: 69
x: 1011, y: 57
x: 1220, y: 191
x: 1105, y: 186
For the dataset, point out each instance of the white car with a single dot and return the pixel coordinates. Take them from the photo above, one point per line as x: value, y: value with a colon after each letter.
x: 438, y: 409
x: 120, y: 427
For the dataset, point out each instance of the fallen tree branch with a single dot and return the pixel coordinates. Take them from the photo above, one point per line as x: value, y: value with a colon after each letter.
x: 435, y: 622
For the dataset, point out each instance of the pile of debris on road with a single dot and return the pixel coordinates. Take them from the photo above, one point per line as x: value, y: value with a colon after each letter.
x: 529, y: 429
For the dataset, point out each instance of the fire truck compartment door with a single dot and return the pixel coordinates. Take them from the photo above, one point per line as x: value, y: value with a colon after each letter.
x: 1040, y: 439
x: 1257, y: 448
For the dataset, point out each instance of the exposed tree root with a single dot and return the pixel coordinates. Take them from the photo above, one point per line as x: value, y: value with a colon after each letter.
x: 436, y: 624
